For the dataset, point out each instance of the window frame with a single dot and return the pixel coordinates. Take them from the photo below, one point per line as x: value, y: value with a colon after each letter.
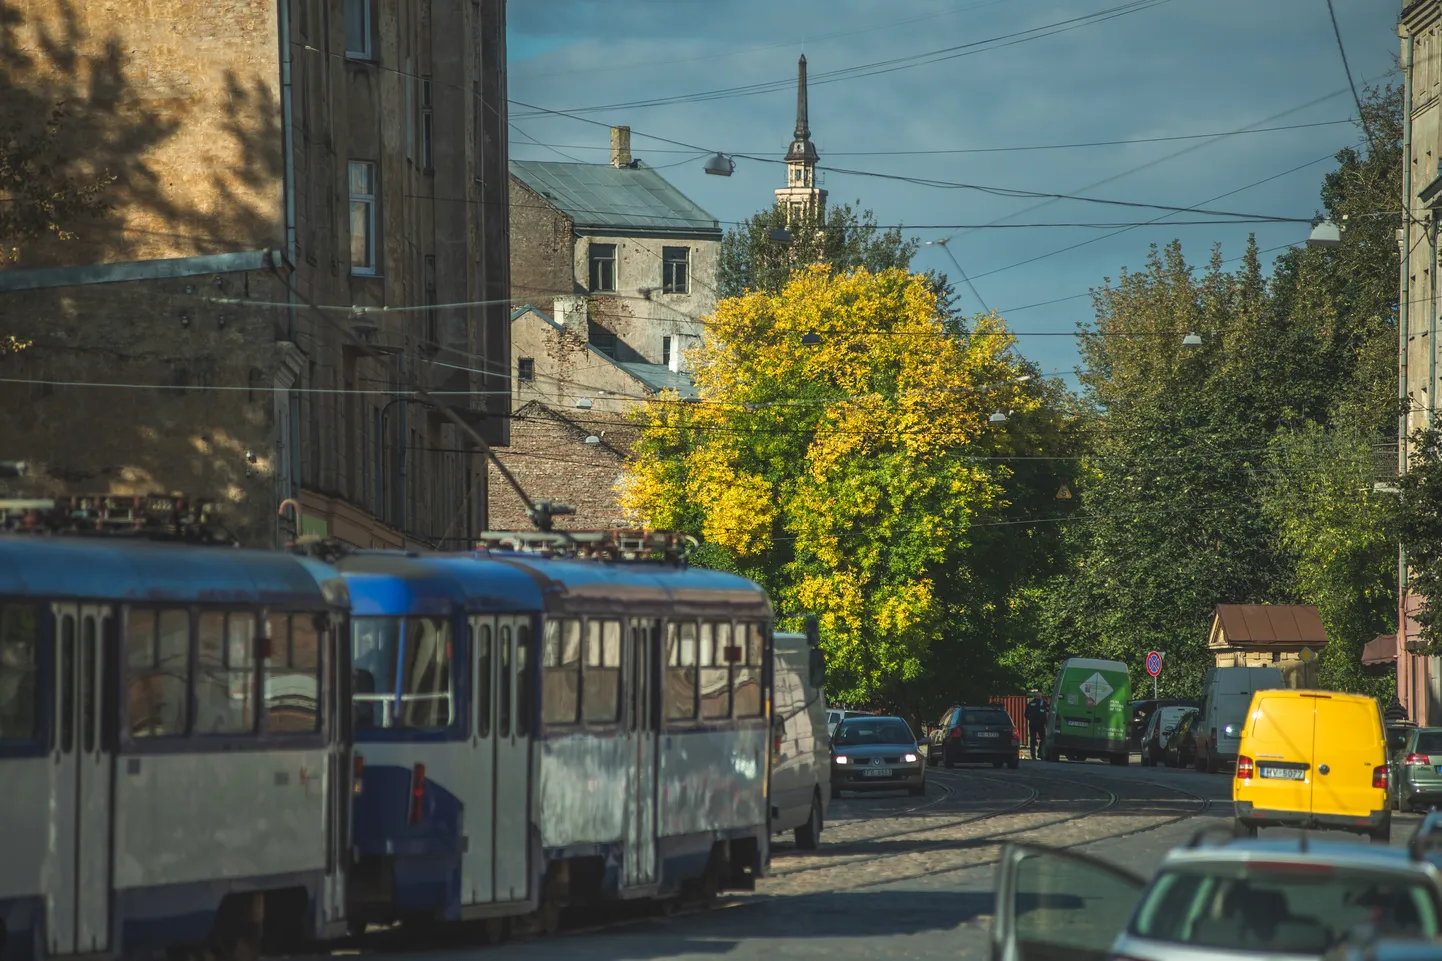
x: 42, y: 676
x: 428, y: 127
x: 668, y: 270
x: 370, y: 200
x: 367, y: 11
x: 666, y: 350
x: 525, y: 370
x: 459, y: 681
x: 595, y: 257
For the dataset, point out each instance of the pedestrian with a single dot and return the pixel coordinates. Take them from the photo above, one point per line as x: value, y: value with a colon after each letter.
x: 1036, y: 721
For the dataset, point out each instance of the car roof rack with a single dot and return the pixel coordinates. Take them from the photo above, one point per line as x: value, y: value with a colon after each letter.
x: 159, y: 517
x: 608, y: 545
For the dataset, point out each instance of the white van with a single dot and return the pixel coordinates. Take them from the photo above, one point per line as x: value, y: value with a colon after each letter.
x: 801, y: 744
x: 1226, y: 696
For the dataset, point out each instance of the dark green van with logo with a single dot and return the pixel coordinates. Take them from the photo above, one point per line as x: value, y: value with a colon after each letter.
x: 1089, y: 715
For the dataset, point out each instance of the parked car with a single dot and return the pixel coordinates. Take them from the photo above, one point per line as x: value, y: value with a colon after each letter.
x: 1313, y: 759
x: 1419, y: 770
x: 1397, y: 732
x: 835, y: 716
x: 801, y: 758
x: 1242, y: 899
x: 876, y: 753
x: 1181, y: 749
x: 971, y: 735
x: 1142, y: 711
x: 1153, y: 741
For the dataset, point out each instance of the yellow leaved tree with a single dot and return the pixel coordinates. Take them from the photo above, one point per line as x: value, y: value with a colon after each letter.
x: 833, y: 456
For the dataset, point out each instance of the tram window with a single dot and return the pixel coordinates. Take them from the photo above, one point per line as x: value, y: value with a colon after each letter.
x: 483, y: 680
x: 292, y: 675
x: 715, y: 670
x: 503, y: 720
x: 157, y: 654
x: 225, y: 673
x: 523, y: 681
x: 602, y: 697
x: 426, y: 690
x: 681, y: 671
x: 561, y: 671
x: 19, y: 674
x: 748, y: 675
x: 67, y: 683
x: 89, y: 689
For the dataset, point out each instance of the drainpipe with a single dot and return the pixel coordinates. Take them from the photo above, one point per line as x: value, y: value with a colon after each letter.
x: 1404, y: 662
x: 403, y: 462
x: 287, y: 114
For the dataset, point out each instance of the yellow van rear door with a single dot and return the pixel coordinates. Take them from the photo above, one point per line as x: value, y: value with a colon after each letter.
x: 1347, y: 749
x: 1278, y: 735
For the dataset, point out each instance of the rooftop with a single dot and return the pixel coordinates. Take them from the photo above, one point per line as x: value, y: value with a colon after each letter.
x: 616, y: 199
x: 1267, y: 625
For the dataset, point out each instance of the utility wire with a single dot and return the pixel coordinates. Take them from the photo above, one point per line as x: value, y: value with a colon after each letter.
x: 1361, y: 114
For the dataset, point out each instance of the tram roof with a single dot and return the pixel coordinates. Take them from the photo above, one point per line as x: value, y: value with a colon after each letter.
x: 145, y: 571
x: 395, y: 582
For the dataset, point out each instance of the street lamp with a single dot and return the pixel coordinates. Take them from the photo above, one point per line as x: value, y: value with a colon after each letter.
x: 1325, y: 234
x: 720, y: 165
x: 998, y: 418
x: 810, y: 339
x: 593, y: 440
x: 780, y: 235
x: 584, y: 403
x: 1193, y: 339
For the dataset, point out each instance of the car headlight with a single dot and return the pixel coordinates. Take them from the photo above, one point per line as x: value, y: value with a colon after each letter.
x: 909, y: 758
x: 1229, y: 730
x: 842, y: 759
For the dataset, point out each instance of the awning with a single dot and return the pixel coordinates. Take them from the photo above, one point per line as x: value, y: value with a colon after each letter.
x: 1381, y: 649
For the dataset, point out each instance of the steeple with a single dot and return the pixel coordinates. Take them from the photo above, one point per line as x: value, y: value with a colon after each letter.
x: 801, y: 192
x: 802, y: 149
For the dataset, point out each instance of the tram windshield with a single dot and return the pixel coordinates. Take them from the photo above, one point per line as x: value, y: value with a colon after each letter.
x: 402, y: 672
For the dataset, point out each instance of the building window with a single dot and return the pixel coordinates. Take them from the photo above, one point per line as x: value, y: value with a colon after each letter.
x: 427, y: 124
x: 360, y: 29
x: 666, y: 350
x: 526, y: 369
x: 675, y: 270
x: 603, y: 268
x: 362, y: 217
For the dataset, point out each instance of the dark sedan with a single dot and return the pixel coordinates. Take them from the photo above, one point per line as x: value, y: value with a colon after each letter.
x: 876, y: 753
x: 1181, y: 750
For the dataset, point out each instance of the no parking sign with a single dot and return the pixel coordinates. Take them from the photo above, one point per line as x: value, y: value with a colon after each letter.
x: 1154, y: 663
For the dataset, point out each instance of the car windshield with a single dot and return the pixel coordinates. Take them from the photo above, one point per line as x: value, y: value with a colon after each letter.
x: 880, y: 731
x: 1302, y: 908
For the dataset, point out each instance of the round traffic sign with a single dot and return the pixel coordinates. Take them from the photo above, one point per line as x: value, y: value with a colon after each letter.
x: 1154, y: 663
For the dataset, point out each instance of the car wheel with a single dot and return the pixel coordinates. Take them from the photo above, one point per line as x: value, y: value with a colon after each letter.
x: 808, y: 836
x: 997, y: 764
x: 946, y: 760
x: 1014, y: 763
x: 1121, y: 760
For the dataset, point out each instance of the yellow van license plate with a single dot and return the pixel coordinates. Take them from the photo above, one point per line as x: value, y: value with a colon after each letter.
x: 1284, y: 773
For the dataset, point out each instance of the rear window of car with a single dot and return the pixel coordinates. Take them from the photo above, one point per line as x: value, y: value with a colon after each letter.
x: 1429, y: 742
x: 1303, y: 908
x: 987, y: 717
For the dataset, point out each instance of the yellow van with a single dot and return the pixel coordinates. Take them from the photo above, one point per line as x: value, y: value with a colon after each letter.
x: 1313, y: 759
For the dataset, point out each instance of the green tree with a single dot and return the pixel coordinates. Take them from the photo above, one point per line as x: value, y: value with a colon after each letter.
x: 841, y: 238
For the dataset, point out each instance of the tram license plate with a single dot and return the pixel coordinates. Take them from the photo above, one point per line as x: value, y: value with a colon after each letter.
x: 878, y: 772
x: 1284, y: 773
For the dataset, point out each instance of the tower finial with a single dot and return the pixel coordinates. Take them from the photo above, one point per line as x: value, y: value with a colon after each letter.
x: 803, y: 128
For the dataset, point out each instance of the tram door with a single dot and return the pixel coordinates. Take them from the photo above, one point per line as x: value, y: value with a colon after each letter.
x: 478, y: 883
x: 639, y: 868
x: 339, y: 772
x: 78, y: 893
x: 515, y: 709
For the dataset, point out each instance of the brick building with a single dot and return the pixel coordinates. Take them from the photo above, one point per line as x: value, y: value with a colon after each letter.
x: 279, y: 166
x: 612, y: 271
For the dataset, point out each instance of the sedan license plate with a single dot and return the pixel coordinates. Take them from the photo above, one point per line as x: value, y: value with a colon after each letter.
x: 878, y: 772
x: 987, y: 734
x: 1284, y: 773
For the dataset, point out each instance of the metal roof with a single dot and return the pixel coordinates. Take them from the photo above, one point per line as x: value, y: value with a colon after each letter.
x: 617, y: 199
x: 659, y: 377
x: 1268, y: 624
x: 393, y: 583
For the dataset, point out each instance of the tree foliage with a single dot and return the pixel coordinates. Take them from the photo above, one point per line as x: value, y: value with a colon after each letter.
x: 844, y: 476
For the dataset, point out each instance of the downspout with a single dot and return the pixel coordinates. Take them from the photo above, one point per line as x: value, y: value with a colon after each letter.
x: 1404, y: 663
x: 403, y: 461
x: 287, y: 117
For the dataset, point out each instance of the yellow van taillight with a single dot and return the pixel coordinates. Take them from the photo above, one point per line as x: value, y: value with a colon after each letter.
x: 1245, y: 768
x: 1379, y: 776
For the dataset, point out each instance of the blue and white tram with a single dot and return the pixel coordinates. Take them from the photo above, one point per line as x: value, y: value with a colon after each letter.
x: 444, y: 714
x: 172, y: 751
x: 532, y: 732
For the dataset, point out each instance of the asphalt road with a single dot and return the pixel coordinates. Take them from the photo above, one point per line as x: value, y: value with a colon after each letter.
x: 899, y: 877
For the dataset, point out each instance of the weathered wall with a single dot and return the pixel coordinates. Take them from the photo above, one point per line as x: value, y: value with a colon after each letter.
x: 638, y: 312
x: 567, y: 369
x: 542, y: 250
x: 550, y: 458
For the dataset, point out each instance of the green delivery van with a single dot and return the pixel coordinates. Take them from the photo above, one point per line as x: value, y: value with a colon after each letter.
x: 1088, y: 716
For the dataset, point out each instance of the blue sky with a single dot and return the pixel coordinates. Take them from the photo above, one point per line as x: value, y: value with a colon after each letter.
x: 1171, y: 69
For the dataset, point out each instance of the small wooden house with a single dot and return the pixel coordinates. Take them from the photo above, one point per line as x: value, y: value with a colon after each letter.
x: 1288, y: 636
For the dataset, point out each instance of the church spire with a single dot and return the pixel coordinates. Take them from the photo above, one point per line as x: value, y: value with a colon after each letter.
x: 801, y: 195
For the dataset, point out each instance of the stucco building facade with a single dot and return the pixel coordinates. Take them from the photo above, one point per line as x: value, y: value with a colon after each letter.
x: 270, y: 280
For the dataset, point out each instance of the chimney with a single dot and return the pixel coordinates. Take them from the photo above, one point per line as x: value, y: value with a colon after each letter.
x: 620, y: 146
